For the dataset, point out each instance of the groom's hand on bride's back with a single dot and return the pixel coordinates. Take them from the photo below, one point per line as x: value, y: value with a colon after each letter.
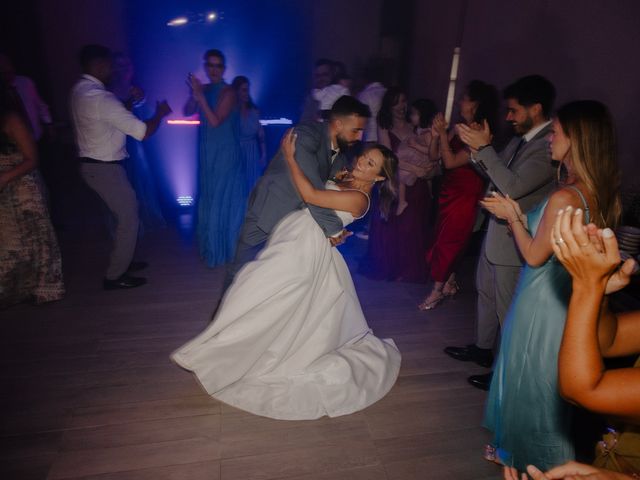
x: 340, y: 239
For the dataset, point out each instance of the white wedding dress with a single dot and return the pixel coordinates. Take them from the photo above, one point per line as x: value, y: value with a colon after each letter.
x: 290, y: 340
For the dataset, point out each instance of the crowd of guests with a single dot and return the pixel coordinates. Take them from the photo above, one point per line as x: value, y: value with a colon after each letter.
x: 557, y: 163
x: 548, y: 260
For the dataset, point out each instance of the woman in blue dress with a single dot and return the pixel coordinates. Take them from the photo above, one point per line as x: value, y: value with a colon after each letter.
x: 221, y: 185
x: 252, y: 141
x: 531, y: 423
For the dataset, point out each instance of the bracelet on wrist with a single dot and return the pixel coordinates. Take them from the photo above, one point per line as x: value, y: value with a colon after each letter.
x: 517, y: 220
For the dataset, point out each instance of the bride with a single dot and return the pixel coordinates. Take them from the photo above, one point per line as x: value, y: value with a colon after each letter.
x: 290, y: 340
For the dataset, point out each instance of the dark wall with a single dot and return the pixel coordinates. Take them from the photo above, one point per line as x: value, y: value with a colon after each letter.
x: 588, y: 48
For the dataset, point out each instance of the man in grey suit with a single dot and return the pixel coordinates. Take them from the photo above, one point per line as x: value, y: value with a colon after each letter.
x: 523, y: 170
x: 320, y: 154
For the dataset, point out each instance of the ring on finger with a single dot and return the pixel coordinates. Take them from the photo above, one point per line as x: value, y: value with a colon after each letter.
x: 559, y: 241
x: 584, y: 244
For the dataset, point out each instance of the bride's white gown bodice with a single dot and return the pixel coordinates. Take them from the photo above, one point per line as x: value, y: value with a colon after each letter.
x: 290, y: 340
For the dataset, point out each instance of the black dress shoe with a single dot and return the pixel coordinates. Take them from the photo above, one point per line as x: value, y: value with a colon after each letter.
x: 137, y: 266
x: 483, y: 382
x: 123, y: 281
x: 471, y: 353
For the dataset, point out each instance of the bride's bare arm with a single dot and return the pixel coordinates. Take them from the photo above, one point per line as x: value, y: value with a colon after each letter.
x: 350, y: 201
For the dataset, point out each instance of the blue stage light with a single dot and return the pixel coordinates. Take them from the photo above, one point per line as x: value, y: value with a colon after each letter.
x: 185, y: 200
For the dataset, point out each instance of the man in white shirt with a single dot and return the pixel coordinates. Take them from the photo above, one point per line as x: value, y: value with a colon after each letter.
x: 371, y: 96
x: 101, y: 123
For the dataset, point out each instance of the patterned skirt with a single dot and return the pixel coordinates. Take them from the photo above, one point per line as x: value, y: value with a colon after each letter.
x: 30, y: 264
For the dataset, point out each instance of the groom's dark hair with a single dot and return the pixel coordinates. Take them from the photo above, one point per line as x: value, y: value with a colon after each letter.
x: 348, y: 105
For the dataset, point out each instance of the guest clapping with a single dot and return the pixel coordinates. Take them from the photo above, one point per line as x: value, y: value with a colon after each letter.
x: 525, y: 377
x: 461, y: 190
x: 592, y: 332
x: 221, y: 182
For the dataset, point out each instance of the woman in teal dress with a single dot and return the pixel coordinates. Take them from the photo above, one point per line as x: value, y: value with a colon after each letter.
x: 221, y: 184
x: 252, y: 141
x: 530, y: 421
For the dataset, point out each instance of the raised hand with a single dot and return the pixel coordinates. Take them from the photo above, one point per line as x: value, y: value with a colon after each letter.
x: 473, y: 136
x: 196, y: 87
x: 501, y: 207
x: 439, y: 125
x: 589, y: 254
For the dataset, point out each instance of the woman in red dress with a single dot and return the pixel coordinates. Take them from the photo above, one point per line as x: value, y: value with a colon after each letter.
x: 461, y: 189
x: 397, y: 243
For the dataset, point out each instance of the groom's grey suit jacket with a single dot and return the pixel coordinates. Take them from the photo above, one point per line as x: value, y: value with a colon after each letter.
x: 275, y: 195
x: 528, y: 178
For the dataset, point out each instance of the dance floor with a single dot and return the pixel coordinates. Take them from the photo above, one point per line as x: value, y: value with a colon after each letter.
x: 89, y: 392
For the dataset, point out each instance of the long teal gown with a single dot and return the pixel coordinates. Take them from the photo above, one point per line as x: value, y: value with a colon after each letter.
x: 530, y: 421
x: 250, y: 146
x: 221, y: 184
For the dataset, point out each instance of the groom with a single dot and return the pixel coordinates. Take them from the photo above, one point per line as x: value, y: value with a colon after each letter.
x: 320, y: 154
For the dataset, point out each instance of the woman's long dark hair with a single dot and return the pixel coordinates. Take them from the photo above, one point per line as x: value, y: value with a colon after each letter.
x: 390, y: 99
x: 387, y: 189
x: 426, y: 110
x: 237, y: 83
x: 488, y: 100
x: 589, y: 126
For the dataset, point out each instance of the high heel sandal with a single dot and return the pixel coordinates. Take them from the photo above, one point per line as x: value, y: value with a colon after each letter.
x: 491, y: 454
x: 431, y: 304
x: 450, y: 289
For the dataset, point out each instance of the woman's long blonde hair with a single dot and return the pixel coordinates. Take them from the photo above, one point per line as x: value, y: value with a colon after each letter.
x: 589, y: 127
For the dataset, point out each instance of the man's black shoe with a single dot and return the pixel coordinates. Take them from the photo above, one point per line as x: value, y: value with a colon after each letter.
x: 471, y: 353
x: 123, y: 281
x: 483, y: 382
x: 137, y: 266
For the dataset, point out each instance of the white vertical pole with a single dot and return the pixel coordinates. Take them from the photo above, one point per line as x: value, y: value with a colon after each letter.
x: 451, y: 94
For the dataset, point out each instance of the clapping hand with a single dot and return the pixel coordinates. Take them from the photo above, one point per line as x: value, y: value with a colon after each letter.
x: 474, y: 136
x: 195, y: 85
x: 589, y: 254
x: 501, y: 207
x: 439, y: 126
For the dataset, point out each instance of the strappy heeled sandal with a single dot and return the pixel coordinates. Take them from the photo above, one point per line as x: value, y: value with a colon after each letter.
x: 431, y: 304
x: 451, y: 289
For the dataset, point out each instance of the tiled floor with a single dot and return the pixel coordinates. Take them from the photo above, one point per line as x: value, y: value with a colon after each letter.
x: 89, y: 392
